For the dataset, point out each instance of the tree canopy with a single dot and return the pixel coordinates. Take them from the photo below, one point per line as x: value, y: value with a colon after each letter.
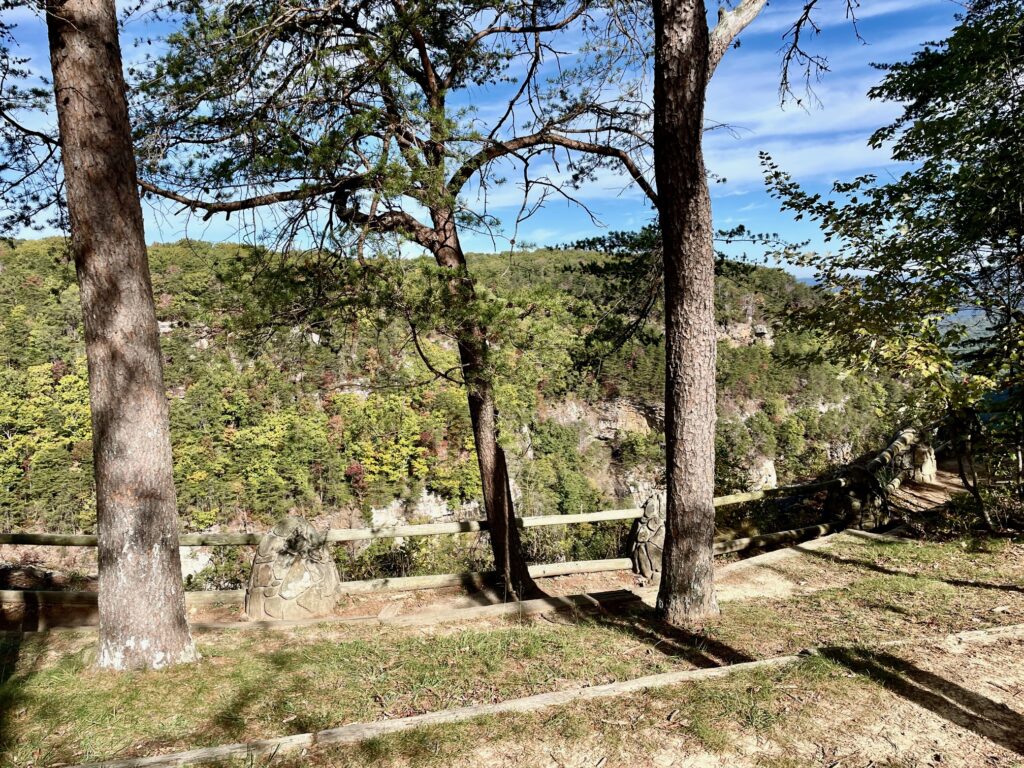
x: 931, y: 258
x: 927, y: 275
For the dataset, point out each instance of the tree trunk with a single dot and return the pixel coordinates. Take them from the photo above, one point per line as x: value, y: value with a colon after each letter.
x: 687, y: 594
x: 969, y: 478
x: 506, y: 543
x: 509, y: 559
x: 141, y: 599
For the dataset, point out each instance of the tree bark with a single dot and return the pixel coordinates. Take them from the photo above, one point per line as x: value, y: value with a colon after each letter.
x: 969, y: 478
x: 141, y: 600
x: 687, y: 594
x: 506, y: 542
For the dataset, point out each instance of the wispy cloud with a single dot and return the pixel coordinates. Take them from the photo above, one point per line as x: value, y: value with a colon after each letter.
x: 779, y: 18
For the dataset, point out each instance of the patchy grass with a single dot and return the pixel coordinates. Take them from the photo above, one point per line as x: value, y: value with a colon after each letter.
x: 887, y: 591
x: 859, y: 707
x: 709, y: 716
x: 54, y: 708
x: 256, y: 685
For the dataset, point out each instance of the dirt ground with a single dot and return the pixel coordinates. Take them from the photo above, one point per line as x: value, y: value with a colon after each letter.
x: 922, y: 705
x: 959, y: 705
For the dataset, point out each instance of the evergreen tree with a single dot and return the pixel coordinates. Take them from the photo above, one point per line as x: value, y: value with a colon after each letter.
x: 928, y: 273
x: 141, y: 601
x: 347, y: 118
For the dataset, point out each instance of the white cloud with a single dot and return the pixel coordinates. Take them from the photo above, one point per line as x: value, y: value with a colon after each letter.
x: 822, y: 159
x: 830, y: 13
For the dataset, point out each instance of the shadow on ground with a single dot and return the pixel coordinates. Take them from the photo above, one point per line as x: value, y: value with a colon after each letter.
x: 965, y: 708
x: 867, y: 565
x: 17, y: 665
x: 641, y: 623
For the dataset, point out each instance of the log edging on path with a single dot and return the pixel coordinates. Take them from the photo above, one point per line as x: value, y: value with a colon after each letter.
x: 358, y: 732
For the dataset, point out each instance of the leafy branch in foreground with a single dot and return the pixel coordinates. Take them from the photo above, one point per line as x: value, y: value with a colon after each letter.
x: 927, y: 278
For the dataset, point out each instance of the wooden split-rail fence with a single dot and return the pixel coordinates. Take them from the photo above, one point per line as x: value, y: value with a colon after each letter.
x: 905, y: 441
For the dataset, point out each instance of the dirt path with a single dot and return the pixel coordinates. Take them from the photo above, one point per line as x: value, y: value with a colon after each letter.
x: 927, y: 497
x: 933, y: 705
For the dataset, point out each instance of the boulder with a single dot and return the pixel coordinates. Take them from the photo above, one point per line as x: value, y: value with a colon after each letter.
x: 293, y: 574
x: 648, y: 538
x: 925, y: 466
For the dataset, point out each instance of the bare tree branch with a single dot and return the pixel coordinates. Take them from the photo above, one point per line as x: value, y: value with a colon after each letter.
x: 795, y: 54
x: 729, y: 26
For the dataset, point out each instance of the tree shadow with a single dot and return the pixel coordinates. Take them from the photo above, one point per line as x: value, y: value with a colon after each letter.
x: 231, y: 720
x: 867, y: 565
x: 17, y: 666
x: 641, y: 623
x: 960, y: 706
x: 483, y: 588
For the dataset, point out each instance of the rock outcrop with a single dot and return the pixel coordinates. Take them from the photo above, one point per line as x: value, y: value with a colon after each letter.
x: 604, y: 420
x: 293, y: 574
x: 761, y: 474
x: 746, y: 334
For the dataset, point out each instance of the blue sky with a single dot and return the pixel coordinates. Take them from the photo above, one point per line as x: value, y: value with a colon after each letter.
x: 817, y: 145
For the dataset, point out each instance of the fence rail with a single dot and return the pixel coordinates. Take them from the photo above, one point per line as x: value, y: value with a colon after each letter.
x: 902, y: 443
x: 436, y: 581
x: 338, y: 535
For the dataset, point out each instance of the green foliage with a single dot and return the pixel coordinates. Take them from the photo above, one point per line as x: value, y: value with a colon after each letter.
x: 927, y: 278
x: 553, y: 481
x: 415, y: 556
x: 254, y: 434
x: 637, y: 449
x: 46, y: 454
x: 337, y: 410
x: 228, y: 569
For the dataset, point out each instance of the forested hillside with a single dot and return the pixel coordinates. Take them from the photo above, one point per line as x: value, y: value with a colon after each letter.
x: 340, y: 415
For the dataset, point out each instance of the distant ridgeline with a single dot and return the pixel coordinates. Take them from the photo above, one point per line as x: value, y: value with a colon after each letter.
x: 341, y: 416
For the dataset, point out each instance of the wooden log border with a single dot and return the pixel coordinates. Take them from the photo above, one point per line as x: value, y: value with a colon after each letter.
x: 355, y: 733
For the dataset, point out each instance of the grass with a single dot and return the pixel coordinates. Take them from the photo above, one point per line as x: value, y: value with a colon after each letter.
x: 870, y: 593
x: 709, y: 716
x: 252, y: 685
x: 55, y: 708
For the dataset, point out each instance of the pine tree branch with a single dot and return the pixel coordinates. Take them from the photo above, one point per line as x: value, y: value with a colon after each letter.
x: 527, y: 29
x: 389, y: 221
x: 547, y: 138
x: 212, y: 207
